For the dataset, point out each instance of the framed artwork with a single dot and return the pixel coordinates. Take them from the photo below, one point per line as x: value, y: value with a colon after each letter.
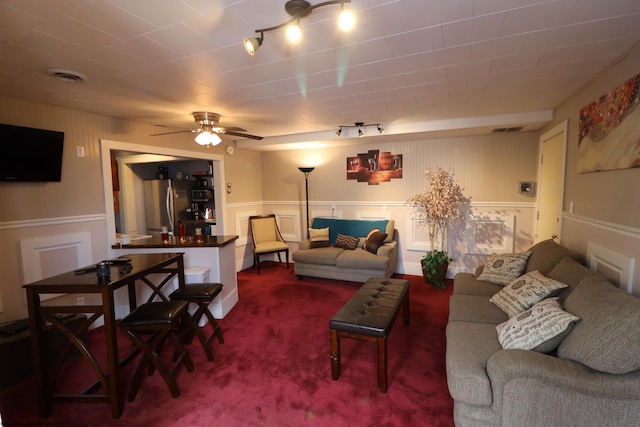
x: 374, y: 167
x: 609, y: 130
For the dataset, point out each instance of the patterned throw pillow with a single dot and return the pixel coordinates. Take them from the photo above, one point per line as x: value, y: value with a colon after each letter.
x: 525, y: 291
x: 346, y: 242
x: 319, y: 237
x: 503, y: 268
x: 541, y: 328
x: 374, y: 240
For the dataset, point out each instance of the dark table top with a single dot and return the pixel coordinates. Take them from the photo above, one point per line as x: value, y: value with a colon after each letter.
x: 155, y: 241
x: 120, y: 274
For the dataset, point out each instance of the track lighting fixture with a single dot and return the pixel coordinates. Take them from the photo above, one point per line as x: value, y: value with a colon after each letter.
x: 359, y: 125
x: 299, y: 9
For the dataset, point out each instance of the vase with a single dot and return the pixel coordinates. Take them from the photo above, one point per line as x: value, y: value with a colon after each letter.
x: 437, y: 280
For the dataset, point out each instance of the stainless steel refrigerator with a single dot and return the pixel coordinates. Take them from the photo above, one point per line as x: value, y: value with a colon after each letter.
x: 164, y: 201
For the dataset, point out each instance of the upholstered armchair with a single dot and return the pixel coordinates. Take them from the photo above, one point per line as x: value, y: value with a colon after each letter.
x: 266, y: 238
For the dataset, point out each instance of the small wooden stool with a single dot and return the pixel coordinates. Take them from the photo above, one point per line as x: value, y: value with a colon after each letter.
x: 201, y: 294
x: 159, y: 320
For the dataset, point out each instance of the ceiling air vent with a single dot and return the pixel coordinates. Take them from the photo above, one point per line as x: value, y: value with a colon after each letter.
x: 66, y: 75
x: 505, y: 130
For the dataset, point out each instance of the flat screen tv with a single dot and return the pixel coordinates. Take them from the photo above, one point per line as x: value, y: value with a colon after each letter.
x: 30, y: 155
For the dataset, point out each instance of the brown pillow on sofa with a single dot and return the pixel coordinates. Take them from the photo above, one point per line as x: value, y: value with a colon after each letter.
x: 346, y: 242
x: 374, y: 240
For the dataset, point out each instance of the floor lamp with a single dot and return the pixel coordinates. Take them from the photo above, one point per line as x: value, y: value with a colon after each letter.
x: 306, y: 185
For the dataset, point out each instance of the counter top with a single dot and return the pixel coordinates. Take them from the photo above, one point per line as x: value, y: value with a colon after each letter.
x: 155, y: 241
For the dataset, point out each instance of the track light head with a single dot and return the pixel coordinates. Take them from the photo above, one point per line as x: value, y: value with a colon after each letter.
x: 381, y: 130
x: 360, y: 133
x: 252, y: 44
x: 339, y: 132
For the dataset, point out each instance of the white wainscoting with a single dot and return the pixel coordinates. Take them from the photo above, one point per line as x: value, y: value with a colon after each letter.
x: 488, y: 234
x: 617, y: 267
x: 44, y: 257
x: 289, y: 224
x: 242, y: 227
x: 373, y: 215
x: 418, y: 235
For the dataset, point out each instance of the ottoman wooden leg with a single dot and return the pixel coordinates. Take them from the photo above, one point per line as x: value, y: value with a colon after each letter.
x: 382, y: 364
x: 335, y: 354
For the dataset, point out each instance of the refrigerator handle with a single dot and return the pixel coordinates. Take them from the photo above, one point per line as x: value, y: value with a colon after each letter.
x: 170, y: 206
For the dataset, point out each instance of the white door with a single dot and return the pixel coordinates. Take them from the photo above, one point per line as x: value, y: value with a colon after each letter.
x: 553, y: 145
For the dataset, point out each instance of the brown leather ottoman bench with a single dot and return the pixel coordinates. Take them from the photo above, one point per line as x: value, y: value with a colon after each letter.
x: 369, y: 316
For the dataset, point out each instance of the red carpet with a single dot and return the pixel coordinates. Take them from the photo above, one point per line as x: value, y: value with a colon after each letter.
x: 274, y: 367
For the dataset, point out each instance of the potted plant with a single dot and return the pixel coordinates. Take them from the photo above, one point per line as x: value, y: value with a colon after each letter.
x: 440, y: 204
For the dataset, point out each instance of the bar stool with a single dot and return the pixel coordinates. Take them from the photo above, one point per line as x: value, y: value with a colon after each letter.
x: 157, y: 321
x: 201, y: 294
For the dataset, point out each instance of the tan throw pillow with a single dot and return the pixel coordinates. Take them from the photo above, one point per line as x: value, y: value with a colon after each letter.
x: 525, y: 291
x: 503, y: 268
x: 346, y: 242
x: 374, y: 240
x: 319, y: 237
x: 541, y: 328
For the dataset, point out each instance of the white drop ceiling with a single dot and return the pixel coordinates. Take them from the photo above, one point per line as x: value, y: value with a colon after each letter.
x: 417, y: 67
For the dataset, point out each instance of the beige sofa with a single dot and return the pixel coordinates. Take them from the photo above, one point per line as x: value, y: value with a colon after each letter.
x: 356, y: 265
x: 592, y: 379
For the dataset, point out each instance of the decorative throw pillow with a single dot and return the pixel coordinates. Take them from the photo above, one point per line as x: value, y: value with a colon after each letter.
x: 346, y: 242
x: 541, y: 328
x: 374, y: 240
x: 319, y: 237
x: 525, y: 291
x: 503, y: 268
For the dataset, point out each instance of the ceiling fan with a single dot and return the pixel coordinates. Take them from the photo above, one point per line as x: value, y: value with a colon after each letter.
x: 208, y: 129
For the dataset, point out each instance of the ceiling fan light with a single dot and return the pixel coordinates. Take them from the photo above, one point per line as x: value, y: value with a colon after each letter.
x: 206, y: 137
x: 294, y: 32
x: 346, y: 20
x: 252, y: 44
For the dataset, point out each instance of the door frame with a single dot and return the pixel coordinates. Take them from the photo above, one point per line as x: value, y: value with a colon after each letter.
x: 559, y: 129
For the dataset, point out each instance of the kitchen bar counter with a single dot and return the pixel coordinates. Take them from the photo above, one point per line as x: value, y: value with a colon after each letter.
x: 215, y: 253
x: 155, y: 241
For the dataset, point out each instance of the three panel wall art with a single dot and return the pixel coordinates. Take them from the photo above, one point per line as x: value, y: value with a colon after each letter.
x: 374, y: 167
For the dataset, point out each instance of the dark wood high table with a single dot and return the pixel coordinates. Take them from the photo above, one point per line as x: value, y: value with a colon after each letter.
x: 142, y: 265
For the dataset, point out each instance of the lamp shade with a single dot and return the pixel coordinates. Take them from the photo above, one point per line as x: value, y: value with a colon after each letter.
x: 206, y: 137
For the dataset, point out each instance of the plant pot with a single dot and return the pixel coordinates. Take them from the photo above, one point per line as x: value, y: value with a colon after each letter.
x: 437, y: 279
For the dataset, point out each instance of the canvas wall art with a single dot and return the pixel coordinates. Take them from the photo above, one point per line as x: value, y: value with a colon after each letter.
x: 609, y: 130
x: 374, y: 167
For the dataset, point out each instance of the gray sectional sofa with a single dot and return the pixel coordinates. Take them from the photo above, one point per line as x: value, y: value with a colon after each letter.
x: 357, y: 265
x: 591, y: 379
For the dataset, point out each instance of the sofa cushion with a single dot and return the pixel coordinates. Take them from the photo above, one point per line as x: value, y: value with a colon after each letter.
x: 545, y: 255
x: 324, y: 256
x: 469, y: 346
x: 319, y: 237
x: 568, y: 271
x: 361, y: 259
x: 472, y: 308
x: 524, y: 292
x: 541, y: 328
x: 503, y: 268
x: 346, y: 242
x: 467, y: 284
x: 374, y: 240
x: 607, y: 338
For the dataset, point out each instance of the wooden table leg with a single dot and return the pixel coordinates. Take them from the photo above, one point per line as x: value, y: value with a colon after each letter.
x: 405, y: 309
x: 335, y: 354
x: 113, y: 363
x: 37, y: 351
x: 382, y: 363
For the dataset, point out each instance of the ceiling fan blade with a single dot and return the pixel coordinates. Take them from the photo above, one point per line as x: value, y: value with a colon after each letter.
x: 169, y: 133
x: 230, y: 129
x: 242, y: 135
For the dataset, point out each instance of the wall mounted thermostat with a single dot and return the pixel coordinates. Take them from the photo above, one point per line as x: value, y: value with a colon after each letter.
x: 528, y: 188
